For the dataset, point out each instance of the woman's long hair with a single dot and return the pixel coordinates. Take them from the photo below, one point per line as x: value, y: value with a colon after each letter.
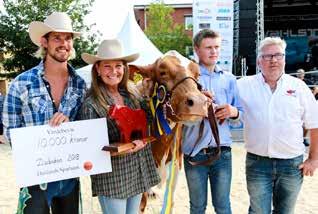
x: 99, y: 90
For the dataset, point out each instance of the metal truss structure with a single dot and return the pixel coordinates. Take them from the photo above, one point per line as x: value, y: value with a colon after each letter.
x: 236, y: 27
x: 259, y: 24
x: 236, y: 35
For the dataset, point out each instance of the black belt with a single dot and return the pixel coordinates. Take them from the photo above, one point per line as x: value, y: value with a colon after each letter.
x: 258, y: 157
x: 210, y: 150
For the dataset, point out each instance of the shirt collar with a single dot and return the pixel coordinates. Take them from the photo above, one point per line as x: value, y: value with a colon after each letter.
x: 261, y: 78
x: 205, y: 71
x: 40, y: 69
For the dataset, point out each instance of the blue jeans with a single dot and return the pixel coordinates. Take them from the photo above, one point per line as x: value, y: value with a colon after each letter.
x: 272, y: 181
x: 219, y: 173
x: 120, y: 206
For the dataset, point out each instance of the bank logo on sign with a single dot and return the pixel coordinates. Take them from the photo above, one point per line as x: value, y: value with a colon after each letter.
x: 224, y: 10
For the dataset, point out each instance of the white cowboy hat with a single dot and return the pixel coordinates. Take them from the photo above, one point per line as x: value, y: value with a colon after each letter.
x: 56, y: 22
x: 109, y: 50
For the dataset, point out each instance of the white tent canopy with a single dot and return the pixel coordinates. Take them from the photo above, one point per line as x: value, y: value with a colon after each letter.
x: 134, y: 41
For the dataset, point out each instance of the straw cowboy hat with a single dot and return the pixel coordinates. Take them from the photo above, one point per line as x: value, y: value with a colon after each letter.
x: 109, y: 50
x: 56, y: 22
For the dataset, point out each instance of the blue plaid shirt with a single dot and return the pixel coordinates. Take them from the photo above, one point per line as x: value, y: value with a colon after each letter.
x: 29, y: 103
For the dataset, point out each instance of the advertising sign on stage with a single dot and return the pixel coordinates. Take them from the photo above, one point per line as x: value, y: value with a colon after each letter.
x: 216, y: 15
x: 44, y: 154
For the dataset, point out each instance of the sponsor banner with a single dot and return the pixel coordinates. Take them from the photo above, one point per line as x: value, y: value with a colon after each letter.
x: 216, y: 15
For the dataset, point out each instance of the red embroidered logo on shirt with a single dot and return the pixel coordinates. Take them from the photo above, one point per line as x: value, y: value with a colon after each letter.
x: 291, y: 92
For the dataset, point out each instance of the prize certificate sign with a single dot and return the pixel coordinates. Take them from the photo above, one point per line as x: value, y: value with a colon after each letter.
x: 44, y: 154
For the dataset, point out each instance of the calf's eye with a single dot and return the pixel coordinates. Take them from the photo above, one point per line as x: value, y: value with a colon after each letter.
x: 162, y: 73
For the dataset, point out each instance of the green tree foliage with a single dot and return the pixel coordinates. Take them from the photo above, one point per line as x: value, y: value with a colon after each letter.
x: 15, y: 40
x: 162, y: 32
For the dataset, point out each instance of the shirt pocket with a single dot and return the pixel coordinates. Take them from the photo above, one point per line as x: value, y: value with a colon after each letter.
x: 291, y: 106
x: 38, y: 102
x: 221, y: 95
x: 75, y: 100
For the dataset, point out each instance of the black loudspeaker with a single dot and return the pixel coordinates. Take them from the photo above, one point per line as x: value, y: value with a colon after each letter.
x: 247, y: 34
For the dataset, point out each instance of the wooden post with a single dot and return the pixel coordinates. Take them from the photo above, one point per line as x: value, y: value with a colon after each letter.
x: 3, y: 86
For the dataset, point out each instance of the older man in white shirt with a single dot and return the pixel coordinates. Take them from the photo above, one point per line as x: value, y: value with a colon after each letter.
x: 276, y: 107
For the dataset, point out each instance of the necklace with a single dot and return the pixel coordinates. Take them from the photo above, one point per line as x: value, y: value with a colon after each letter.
x: 118, y: 99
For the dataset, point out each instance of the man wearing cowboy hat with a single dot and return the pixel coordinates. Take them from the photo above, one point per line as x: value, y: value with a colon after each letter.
x: 50, y: 93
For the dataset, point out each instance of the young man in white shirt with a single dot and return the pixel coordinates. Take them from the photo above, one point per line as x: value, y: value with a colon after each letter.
x: 276, y: 107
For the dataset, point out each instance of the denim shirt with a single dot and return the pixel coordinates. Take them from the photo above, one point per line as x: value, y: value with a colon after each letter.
x: 28, y: 103
x: 223, y: 85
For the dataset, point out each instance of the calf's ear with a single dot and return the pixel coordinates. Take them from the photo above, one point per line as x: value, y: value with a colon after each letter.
x: 194, y: 70
x: 145, y: 71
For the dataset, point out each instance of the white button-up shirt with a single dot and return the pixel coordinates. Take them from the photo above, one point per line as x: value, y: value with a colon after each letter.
x: 273, y: 122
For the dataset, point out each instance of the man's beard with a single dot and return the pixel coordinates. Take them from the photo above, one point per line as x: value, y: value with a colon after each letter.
x: 57, y: 58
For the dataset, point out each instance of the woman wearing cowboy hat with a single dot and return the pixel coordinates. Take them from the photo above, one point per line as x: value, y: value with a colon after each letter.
x: 133, y: 173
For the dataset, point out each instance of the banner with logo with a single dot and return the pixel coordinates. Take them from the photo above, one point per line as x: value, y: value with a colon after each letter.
x: 216, y: 15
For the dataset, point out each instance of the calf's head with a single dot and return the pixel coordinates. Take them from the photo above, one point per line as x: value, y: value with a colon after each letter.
x: 178, y: 75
